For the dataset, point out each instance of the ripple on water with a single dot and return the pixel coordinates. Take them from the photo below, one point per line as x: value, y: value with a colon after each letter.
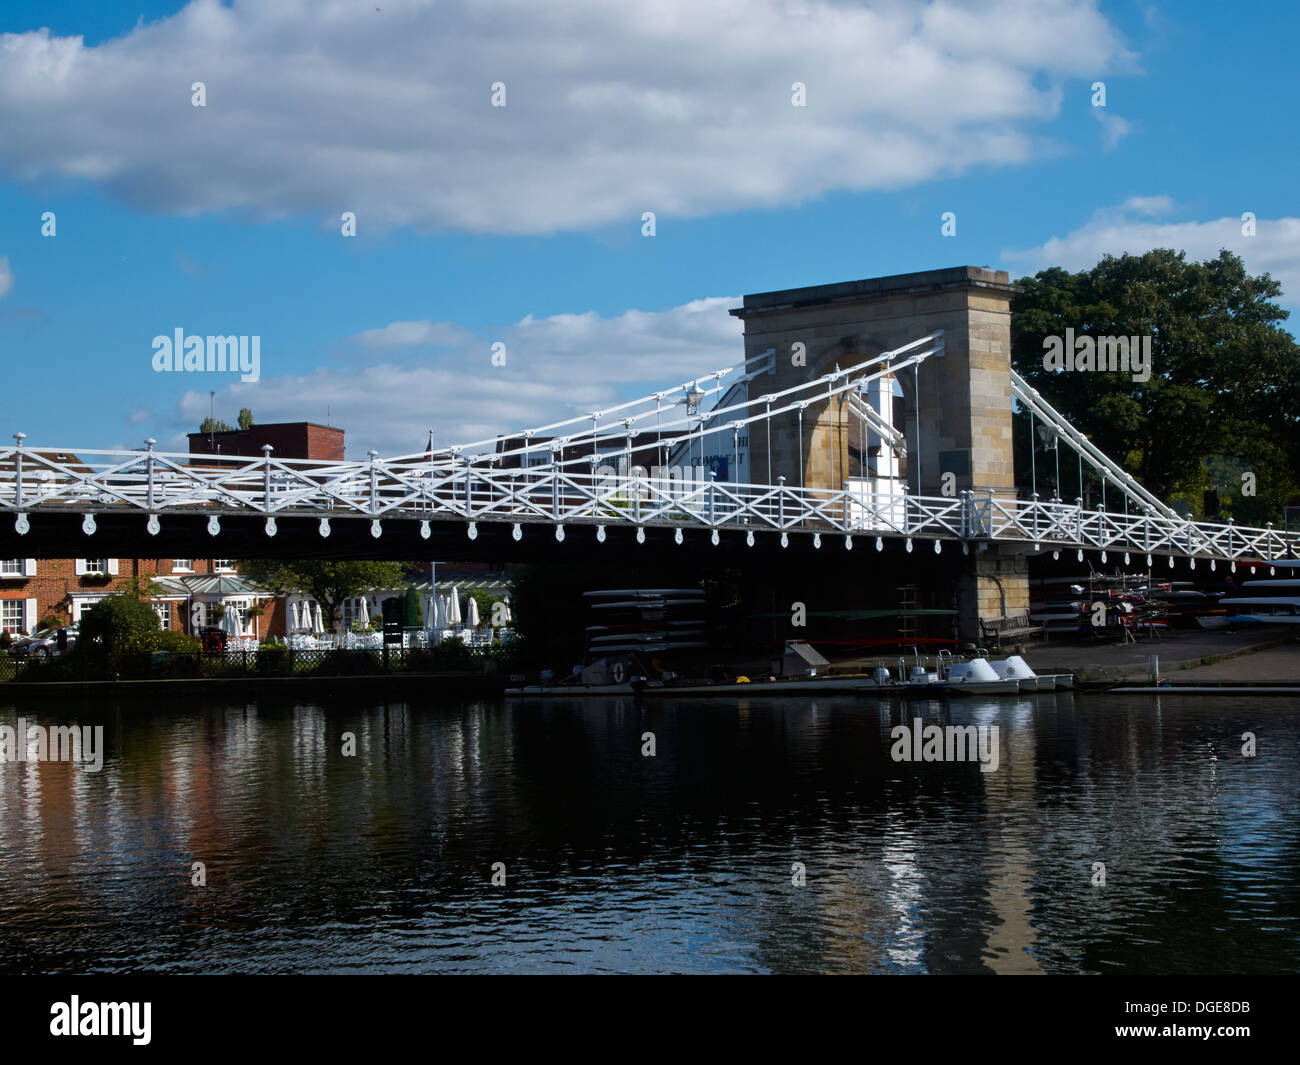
x: 613, y: 862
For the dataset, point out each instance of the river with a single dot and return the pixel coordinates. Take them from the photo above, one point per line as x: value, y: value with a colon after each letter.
x: 684, y: 860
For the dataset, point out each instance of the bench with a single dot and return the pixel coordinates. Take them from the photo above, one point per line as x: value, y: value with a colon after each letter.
x: 1010, y: 628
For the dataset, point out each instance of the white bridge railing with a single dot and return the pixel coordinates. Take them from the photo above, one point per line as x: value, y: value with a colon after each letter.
x: 157, y: 485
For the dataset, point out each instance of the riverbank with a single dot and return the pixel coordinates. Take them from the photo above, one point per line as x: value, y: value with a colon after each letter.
x: 1250, y: 657
x: 1258, y: 655
x: 369, y: 686
x: 1184, y: 657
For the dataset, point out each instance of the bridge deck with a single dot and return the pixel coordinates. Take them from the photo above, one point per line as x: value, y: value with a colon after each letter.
x: 161, y: 486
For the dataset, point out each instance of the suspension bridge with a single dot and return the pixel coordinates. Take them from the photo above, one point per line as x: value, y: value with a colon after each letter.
x: 832, y: 455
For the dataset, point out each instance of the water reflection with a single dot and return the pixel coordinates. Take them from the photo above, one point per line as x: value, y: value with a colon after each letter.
x: 319, y: 861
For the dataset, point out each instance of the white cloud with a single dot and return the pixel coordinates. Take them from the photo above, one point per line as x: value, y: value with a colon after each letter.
x: 412, y: 334
x: 1113, y: 128
x: 6, y: 277
x: 1274, y: 249
x: 676, y: 106
x: 556, y: 367
x: 1148, y: 205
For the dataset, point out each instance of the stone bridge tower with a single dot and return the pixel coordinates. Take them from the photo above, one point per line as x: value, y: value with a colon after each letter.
x: 956, y: 406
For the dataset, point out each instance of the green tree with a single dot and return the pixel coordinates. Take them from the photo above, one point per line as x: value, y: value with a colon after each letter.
x: 245, y: 418
x: 484, y: 601
x: 328, y: 582
x: 1225, y: 376
x: 411, y: 614
x: 115, y: 626
x: 214, y: 425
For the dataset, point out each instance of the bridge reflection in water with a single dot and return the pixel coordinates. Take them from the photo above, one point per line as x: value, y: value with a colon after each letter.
x: 679, y: 862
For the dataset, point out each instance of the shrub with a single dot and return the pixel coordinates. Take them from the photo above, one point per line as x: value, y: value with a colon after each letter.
x: 450, y: 654
x: 42, y: 668
x: 344, y: 663
x: 167, y: 640
x: 273, y: 658
x: 411, y: 612
x: 114, y: 627
x: 5, y: 638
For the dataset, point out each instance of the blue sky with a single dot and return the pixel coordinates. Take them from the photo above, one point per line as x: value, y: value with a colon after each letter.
x: 523, y: 224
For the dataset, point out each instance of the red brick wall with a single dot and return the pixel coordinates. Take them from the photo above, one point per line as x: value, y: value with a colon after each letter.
x: 272, y: 622
x: 289, y: 440
x: 56, y: 580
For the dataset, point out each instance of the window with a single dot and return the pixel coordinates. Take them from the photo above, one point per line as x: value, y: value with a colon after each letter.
x: 94, y: 567
x: 164, y: 614
x: 184, y: 565
x: 17, y: 567
x: 222, y: 564
x: 11, y: 615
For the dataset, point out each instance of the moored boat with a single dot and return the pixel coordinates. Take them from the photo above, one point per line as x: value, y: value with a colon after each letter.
x: 1268, y: 602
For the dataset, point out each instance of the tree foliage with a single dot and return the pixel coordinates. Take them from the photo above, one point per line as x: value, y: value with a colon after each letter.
x: 245, y: 418
x: 327, y: 582
x: 117, y: 625
x: 485, y: 601
x: 411, y: 613
x: 214, y: 425
x: 1225, y: 376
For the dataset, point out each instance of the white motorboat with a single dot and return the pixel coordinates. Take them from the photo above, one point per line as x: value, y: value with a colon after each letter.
x: 1013, y: 666
x: 977, y: 677
x: 1016, y: 668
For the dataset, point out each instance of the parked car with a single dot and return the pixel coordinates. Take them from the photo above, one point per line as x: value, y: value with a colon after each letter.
x: 44, y: 643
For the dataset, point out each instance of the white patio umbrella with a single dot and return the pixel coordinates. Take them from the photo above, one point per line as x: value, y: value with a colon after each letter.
x: 293, y: 617
x: 439, y: 614
x: 505, y: 611
x: 364, y: 616
x: 471, y: 612
x: 230, y: 620
x: 454, y: 615
x: 318, y: 622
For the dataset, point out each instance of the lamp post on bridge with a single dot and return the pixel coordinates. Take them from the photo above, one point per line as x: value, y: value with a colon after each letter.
x: 693, y: 398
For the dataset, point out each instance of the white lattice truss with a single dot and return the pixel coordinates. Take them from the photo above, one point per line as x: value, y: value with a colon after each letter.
x: 469, y: 483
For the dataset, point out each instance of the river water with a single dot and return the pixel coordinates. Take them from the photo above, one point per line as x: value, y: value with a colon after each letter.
x: 617, y: 861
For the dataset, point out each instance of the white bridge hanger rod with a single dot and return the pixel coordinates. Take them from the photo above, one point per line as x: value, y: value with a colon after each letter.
x: 721, y: 414
x: 452, y: 450
x: 717, y: 415
x: 1096, y: 458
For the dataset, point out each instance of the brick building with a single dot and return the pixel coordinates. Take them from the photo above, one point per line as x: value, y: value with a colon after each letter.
x: 187, y: 592
x: 288, y: 440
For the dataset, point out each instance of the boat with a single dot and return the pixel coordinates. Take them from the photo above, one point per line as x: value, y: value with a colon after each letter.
x: 630, y: 674
x: 640, y: 631
x: 1262, y: 607
x: 1015, y: 667
x: 977, y: 677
